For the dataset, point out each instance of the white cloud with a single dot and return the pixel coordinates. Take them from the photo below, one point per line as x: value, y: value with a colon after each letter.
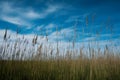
x: 79, y: 18
x: 13, y: 14
x: 49, y: 10
x: 89, y: 39
x: 67, y: 32
x: 74, y: 18
x: 14, y: 36
x: 38, y: 28
x: 52, y: 8
x: 24, y: 16
x: 32, y: 14
x: 50, y: 26
x: 62, y: 45
x: 16, y: 20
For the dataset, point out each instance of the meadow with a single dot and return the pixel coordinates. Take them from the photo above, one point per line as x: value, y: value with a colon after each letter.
x: 43, y: 63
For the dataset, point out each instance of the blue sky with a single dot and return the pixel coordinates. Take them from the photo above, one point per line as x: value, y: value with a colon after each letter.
x: 86, y: 17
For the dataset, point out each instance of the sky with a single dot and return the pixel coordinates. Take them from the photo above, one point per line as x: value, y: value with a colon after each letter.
x: 86, y: 20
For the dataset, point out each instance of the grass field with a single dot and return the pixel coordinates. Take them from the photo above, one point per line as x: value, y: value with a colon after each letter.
x: 80, y: 69
x: 45, y: 64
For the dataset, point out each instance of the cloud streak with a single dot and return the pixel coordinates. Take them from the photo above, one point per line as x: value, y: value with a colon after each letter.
x: 24, y: 16
x: 16, y: 21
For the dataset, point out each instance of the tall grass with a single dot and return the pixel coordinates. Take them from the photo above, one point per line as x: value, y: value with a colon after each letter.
x: 21, y: 61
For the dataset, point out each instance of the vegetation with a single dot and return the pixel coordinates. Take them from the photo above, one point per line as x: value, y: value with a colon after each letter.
x: 81, y: 69
x: 44, y: 63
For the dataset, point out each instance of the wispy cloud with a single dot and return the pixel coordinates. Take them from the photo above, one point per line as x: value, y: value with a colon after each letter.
x: 16, y: 20
x: 39, y: 28
x: 13, y: 14
x: 24, y: 16
x: 74, y: 18
x: 49, y: 10
x: 50, y: 26
x: 31, y: 14
x: 80, y: 18
x: 89, y: 39
x: 61, y: 35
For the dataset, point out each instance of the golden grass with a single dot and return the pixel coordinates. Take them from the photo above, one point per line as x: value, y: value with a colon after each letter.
x: 80, y: 69
x: 39, y: 65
